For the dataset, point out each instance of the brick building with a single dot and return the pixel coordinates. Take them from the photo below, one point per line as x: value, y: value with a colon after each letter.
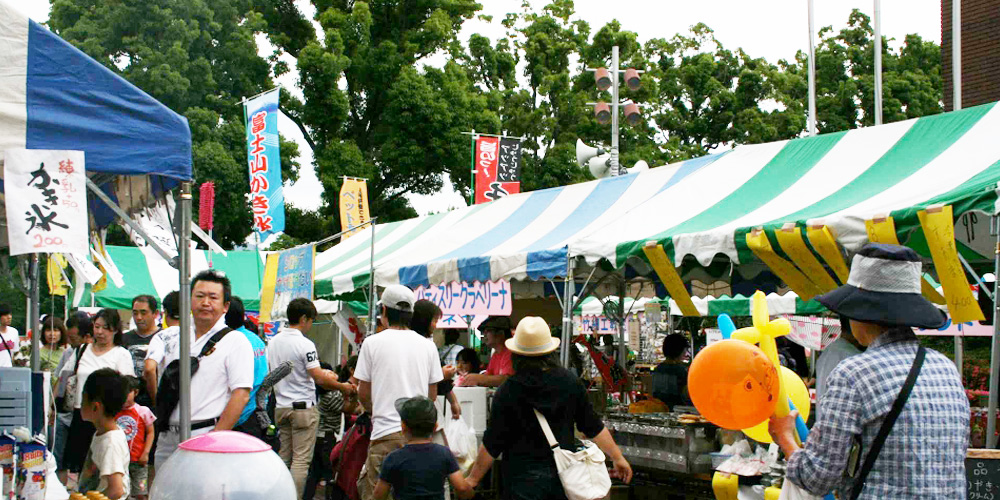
x: 980, y: 52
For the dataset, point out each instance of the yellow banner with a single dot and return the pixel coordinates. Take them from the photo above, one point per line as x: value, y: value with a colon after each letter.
x: 54, y: 275
x: 823, y: 241
x: 883, y: 230
x: 353, y: 205
x: 939, y: 229
x: 268, y: 285
x: 761, y: 247
x: 668, y: 275
x: 790, y: 240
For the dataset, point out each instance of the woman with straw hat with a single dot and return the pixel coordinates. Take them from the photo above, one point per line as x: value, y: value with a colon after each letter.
x: 529, y: 471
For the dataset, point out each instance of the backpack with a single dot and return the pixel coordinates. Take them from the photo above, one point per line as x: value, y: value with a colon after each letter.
x: 168, y: 393
x: 349, y: 456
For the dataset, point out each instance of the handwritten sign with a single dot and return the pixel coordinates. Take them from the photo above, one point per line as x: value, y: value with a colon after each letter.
x: 940, y: 233
x: 488, y: 298
x: 982, y: 471
x: 596, y: 324
x: 46, y: 201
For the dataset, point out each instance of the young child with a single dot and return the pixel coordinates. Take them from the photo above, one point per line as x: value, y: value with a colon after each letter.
x: 417, y: 471
x: 137, y: 422
x: 104, y: 394
x: 466, y: 362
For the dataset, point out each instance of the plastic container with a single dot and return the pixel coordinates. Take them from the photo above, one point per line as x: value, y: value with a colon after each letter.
x: 223, y: 465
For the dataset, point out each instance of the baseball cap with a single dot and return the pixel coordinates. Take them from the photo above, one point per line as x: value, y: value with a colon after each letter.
x: 398, y: 297
x: 418, y: 411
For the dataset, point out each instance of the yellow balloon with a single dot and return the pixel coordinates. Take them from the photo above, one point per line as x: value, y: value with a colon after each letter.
x: 800, y: 397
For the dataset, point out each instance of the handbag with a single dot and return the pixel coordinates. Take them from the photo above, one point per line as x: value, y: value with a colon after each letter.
x: 168, y: 393
x: 67, y: 403
x: 583, y: 473
x: 890, y: 420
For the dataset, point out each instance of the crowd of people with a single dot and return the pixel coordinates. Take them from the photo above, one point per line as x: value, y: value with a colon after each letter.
x: 115, y: 396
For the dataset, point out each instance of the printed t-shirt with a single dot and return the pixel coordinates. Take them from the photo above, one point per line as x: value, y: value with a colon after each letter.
x: 398, y: 364
x: 290, y: 345
x: 133, y: 422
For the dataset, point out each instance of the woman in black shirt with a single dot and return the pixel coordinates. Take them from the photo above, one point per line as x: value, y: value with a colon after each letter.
x: 529, y: 471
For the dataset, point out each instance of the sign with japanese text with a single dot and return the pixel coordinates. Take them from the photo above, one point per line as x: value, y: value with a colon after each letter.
x: 267, y: 199
x: 488, y: 298
x: 498, y: 168
x: 288, y: 275
x: 46, y: 201
x: 600, y: 325
x: 353, y: 205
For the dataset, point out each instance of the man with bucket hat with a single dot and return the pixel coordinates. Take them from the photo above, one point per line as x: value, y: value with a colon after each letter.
x: 496, y: 330
x: 895, y: 419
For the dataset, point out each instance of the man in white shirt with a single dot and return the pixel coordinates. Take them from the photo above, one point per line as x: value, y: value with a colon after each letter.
x: 396, y: 363
x: 161, y: 343
x: 221, y: 386
x: 295, y: 411
x: 9, y: 339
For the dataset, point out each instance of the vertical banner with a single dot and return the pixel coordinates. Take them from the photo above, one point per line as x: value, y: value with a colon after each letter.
x: 353, y: 205
x: 267, y: 199
x: 287, y: 275
x: 46, y: 199
x: 498, y: 168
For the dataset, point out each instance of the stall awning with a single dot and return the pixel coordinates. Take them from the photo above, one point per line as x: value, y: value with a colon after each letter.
x: 523, y: 236
x: 738, y: 305
x: 839, y: 179
x: 146, y: 273
x: 53, y: 96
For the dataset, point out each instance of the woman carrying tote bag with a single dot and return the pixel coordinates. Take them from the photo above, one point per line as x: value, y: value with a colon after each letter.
x: 103, y: 353
x: 530, y: 471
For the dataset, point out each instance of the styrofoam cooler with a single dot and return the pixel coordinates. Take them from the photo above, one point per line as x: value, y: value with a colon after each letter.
x: 474, y: 409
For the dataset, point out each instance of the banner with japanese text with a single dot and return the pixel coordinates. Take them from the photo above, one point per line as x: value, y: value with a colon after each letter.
x: 353, y: 205
x: 461, y: 300
x: 45, y: 195
x: 288, y: 275
x: 267, y: 199
x: 498, y: 168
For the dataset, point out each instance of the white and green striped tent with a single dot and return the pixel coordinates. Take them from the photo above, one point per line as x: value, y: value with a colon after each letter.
x: 145, y: 272
x: 738, y: 305
x: 702, y: 207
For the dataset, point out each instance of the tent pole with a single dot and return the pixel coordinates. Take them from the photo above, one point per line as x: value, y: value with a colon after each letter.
x: 33, y: 313
x: 622, y: 349
x: 184, y: 271
x: 371, y: 282
x: 991, y: 420
x: 567, y: 328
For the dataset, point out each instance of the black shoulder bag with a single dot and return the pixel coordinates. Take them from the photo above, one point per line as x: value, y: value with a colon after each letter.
x: 890, y: 420
x: 168, y: 393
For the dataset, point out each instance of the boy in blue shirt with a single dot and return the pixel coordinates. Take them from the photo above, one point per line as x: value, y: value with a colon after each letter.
x: 235, y: 319
x: 418, y: 470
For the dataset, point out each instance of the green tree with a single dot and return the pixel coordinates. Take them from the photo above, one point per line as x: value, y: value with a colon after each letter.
x: 199, y: 58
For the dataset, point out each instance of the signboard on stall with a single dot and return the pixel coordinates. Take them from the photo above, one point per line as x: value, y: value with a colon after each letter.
x: 288, y: 275
x: 353, y: 205
x: 460, y: 300
x: 267, y: 199
x: 597, y: 324
x: 497, y: 163
x: 45, y: 195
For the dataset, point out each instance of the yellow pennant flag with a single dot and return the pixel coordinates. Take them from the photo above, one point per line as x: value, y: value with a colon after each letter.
x: 883, y: 230
x: 798, y: 282
x: 671, y: 280
x: 353, y: 205
x: 826, y: 245
x: 54, y: 275
x: 939, y: 229
x: 268, y: 286
x: 790, y: 240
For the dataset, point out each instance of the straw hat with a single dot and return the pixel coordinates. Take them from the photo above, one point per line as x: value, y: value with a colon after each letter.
x: 532, y: 338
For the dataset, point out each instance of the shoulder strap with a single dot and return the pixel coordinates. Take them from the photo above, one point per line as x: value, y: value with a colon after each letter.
x: 546, y: 429
x: 890, y: 420
x: 79, y: 354
x: 214, y: 340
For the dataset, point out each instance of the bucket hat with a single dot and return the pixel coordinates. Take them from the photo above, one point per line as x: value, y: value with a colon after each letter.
x: 884, y: 288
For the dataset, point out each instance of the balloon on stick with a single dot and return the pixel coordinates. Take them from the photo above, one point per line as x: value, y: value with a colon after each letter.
x: 726, y: 326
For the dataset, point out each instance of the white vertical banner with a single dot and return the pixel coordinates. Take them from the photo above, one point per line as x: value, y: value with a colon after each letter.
x: 46, y: 201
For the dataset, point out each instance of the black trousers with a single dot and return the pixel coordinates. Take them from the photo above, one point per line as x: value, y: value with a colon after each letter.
x: 320, y: 468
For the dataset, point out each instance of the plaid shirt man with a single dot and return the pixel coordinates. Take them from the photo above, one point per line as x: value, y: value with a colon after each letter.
x: 924, y: 455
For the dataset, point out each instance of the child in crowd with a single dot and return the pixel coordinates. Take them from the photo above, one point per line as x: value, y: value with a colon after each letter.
x: 136, y: 421
x: 417, y: 471
x: 466, y: 362
x: 106, y: 467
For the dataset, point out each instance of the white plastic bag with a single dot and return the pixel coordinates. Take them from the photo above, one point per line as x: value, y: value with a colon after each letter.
x: 791, y: 491
x: 461, y: 441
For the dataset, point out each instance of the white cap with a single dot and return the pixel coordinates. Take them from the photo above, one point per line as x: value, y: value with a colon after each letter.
x: 398, y: 297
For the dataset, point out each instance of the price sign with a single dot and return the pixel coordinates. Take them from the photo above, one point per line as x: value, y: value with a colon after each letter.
x: 46, y: 201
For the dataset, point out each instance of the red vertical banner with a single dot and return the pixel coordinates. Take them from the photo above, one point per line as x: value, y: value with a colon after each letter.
x: 487, y: 160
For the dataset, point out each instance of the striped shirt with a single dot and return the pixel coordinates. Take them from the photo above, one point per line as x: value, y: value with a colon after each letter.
x: 331, y: 411
x: 924, y: 455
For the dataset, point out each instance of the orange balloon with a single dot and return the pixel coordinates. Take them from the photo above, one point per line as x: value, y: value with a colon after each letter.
x: 733, y: 384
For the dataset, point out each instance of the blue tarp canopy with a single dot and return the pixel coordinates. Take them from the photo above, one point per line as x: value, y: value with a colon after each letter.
x: 53, y: 96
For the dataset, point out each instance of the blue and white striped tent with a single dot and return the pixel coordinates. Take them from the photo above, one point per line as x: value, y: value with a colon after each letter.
x: 701, y: 207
